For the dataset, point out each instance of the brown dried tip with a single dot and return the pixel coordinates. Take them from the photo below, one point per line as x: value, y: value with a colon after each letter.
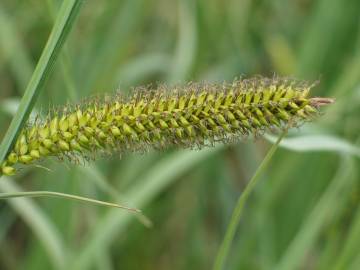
x: 321, y: 101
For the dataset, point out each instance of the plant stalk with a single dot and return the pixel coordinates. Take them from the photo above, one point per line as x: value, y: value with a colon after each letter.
x: 236, y: 215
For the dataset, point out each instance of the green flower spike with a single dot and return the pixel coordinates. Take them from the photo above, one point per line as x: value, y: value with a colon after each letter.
x: 194, y: 115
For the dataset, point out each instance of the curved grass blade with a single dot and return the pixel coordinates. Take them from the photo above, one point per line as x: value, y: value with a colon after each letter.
x: 63, y: 24
x: 94, y: 174
x: 157, y: 179
x: 10, y: 195
x: 351, y: 246
x: 185, y: 52
x: 326, y: 208
x: 43, y: 228
x: 307, y: 143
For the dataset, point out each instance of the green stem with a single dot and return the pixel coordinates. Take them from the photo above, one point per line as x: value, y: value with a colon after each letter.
x: 9, y: 195
x: 235, y: 218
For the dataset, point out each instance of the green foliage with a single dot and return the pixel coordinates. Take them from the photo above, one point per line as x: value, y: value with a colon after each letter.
x: 304, y: 211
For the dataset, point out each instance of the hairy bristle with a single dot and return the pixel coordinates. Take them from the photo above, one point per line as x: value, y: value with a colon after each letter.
x: 193, y: 115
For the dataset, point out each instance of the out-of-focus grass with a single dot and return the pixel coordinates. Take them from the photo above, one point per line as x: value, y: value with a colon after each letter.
x: 303, y: 215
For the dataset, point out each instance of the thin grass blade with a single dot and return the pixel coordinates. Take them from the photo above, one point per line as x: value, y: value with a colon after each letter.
x: 64, y: 22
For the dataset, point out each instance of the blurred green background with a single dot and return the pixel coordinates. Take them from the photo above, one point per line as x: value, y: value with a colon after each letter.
x: 304, y: 214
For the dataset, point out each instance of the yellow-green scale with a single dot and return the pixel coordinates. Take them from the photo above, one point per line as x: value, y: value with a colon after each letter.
x: 158, y: 120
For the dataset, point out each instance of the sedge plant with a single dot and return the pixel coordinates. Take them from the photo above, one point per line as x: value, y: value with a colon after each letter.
x: 133, y: 139
x: 194, y: 115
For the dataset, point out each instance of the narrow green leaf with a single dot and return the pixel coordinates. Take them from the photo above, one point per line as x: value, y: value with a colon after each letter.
x: 157, y: 179
x: 38, y: 221
x: 93, y: 174
x: 327, y: 207
x: 10, y: 195
x: 184, y: 54
x: 351, y: 247
x: 307, y: 143
x: 64, y: 22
